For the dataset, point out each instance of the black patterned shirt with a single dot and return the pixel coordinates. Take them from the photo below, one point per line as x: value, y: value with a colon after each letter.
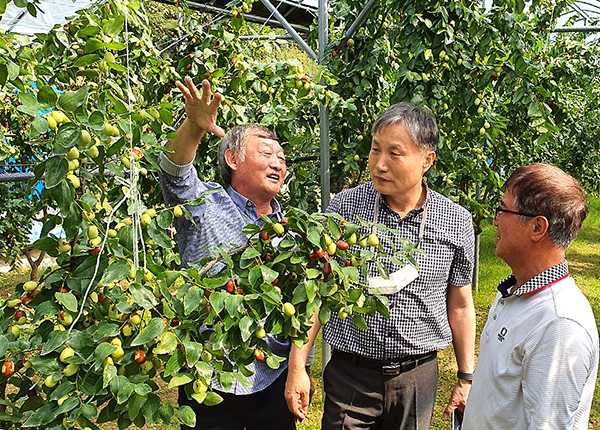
x: 418, y: 320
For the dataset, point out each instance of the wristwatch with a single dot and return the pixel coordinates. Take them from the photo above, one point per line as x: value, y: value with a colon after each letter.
x: 467, y: 376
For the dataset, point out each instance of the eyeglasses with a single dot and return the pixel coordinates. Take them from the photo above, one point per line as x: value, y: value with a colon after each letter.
x: 508, y: 211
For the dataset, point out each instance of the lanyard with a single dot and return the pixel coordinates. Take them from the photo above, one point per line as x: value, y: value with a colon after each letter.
x: 376, y: 216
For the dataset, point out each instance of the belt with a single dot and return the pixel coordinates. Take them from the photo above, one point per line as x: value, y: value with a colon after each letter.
x: 392, y: 367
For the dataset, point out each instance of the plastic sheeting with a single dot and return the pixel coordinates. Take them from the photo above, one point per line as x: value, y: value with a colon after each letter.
x: 53, y: 12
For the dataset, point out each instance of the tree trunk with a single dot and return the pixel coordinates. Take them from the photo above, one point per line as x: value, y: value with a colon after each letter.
x: 34, y: 263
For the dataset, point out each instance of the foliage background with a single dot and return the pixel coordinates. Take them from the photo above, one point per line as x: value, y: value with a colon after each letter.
x: 506, y: 92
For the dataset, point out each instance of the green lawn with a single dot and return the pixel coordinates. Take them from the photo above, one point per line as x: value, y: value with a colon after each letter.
x: 583, y: 257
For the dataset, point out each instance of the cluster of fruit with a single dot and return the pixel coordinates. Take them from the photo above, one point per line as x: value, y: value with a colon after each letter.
x: 186, y: 327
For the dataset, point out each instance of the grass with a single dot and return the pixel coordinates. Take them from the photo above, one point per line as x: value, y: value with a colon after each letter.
x: 583, y: 256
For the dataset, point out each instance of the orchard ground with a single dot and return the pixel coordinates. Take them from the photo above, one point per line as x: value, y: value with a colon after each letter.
x: 583, y: 256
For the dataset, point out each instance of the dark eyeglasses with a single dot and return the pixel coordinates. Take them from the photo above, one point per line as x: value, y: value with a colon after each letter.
x: 508, y: 211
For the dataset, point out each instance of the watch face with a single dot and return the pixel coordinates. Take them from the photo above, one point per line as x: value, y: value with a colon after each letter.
x: 457, y: 417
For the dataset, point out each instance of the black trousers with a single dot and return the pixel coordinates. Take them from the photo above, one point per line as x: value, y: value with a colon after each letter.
x: 264, y: 410
x: 359, y: 396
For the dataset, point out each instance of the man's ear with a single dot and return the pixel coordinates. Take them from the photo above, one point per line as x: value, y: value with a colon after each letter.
x: 428, y: 161
x: 231, y: 159
x: 539, y: 228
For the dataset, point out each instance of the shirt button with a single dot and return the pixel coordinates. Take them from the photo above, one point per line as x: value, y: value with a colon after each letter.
x: 495, y: 317
x: 389, y: 334
x: 502, y: 302
x: 392, y: 306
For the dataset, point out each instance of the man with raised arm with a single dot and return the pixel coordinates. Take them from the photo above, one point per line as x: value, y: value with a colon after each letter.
x: 386, y: 377
x: 252, y: 164
x: 538, y: 355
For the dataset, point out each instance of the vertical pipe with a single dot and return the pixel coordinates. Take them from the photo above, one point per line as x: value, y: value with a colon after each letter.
x: 475, y: 285
x: 324, y: 139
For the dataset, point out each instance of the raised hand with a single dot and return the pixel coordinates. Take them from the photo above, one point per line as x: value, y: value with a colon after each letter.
x: 201, y: 110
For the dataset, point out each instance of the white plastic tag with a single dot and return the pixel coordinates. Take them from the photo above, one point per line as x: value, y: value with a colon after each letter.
x: 397, y: 280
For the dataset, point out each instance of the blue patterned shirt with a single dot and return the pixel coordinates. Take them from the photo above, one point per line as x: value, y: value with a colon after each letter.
x: 219, y: 221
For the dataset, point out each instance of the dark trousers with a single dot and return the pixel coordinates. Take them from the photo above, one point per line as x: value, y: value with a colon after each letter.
x: 361, y: 397
x: 264, y: 410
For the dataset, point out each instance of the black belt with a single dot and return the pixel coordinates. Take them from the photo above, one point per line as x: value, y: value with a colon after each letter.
x: 388, y: 367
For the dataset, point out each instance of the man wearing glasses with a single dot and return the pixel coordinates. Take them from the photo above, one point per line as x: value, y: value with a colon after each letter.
x: 538, y: 355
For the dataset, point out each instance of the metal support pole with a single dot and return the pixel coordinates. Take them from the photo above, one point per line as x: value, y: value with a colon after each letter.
x: 324, y: 139
x: 357, y: 22
x: 476, y: 265
x: 278, y: 37
x: 591, y: 29
x: 475, y: 285
x: 291, y: 30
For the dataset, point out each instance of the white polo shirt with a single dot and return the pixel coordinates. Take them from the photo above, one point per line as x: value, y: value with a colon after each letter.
x: 538, y: 357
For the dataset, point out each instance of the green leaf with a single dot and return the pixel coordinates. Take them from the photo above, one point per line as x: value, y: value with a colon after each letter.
x: 68, y: 136
x: 233, y: 304
x: 56, y: 171
x: 86, y: 60
x: 136, y: 405
x: 212, y: 398
x: 13, y: 70
x: 314, y: 236
x: 226, y: 257
x: 45, y: 309
x: 102, y: 351
x: 105, y: 330
x: 119, y: 270
x: 226, y: 380
x: 3, y: 72
x: 68, y: 300
x: 38, y: 126
x: 47, y: 96
x: 110, y: 371
x: 89, y: 411
x: 93, y: 45
x: 154, y: 329
x: 117, y: 384
x: 114, y: 27
x: 71, y: 403
x: 143, y: 296
x: 359, y: 322
x: 3, y: 345
x: 176, y: 362
x: 42, y: 416
x: 254, y: 276
x: 246, y: 327
x: 250, y: 254
x: 334, y: 228
x: 55, y: 339
x: 71, y: 101
x: 268, y: 275
x: 168, y: 343
x: 181, y: 379
x: 159, y: 235
x: 187, y: 416
x: 192, y: 352
x: 217, y: 300
x: 191, y: 300
x: 324, y: 315
x: 299, y: 294
x: 313, y: 273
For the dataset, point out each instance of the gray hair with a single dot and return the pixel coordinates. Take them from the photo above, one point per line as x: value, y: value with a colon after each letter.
x: 419, y: 122
x: 548, y: 191
x: 235, y: 139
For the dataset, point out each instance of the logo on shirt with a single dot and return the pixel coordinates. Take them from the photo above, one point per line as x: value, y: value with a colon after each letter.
x: 502, y: 334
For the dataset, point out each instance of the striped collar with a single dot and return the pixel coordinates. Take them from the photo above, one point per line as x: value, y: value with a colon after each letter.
x: 537, y: 283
